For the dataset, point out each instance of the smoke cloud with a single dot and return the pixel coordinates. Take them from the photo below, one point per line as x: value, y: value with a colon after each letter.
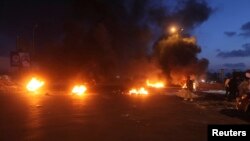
x: 177, y: 57
x: 103, y: 39
x: 177, y: 53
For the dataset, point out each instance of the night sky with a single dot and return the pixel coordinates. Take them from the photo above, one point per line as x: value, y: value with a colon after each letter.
x: 222, y: 29
x: 225, y: 36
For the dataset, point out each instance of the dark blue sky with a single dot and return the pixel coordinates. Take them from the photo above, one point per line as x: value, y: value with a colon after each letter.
x: 224, y: 36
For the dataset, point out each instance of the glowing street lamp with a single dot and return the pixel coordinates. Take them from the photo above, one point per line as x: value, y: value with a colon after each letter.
x: 173, y: 29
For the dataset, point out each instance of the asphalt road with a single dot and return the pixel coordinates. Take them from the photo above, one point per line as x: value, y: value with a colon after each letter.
x: 109, y: 115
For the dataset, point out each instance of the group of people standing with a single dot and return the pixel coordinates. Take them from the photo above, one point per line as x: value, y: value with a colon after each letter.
x: 237, y: 87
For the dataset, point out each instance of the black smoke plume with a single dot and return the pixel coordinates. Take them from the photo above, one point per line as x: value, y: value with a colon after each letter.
x: 103, y: 39
x: 177, y: 57
x: 176, y: 53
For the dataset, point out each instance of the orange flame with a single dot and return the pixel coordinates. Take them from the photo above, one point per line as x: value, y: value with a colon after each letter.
x: 34, y: 84
x: 156, y: 84
x: 141, y: 91
x: 194, y: 86
x: 184, y: 86
x: 79, y: 89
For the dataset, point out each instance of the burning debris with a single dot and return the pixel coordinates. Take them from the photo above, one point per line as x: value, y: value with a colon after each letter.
x: 158, y: 84
x: 79, y: 89
x: 139, y: 91
x: 148, y: 85
x: 34, y: 84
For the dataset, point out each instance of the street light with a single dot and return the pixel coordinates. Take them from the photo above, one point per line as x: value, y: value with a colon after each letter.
x: 173, y: 29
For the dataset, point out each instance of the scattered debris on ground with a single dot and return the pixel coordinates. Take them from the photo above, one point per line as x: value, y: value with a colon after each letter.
x: 7, y: 84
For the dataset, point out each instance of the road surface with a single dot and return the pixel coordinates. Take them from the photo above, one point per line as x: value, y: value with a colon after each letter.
x: 109, y: 115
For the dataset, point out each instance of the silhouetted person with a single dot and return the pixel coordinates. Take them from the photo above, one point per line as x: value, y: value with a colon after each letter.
x: 233, y: 88
x: 189, y: 92
x: 244, y: 87
x: 242, y: 101
x: 227, y: 86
